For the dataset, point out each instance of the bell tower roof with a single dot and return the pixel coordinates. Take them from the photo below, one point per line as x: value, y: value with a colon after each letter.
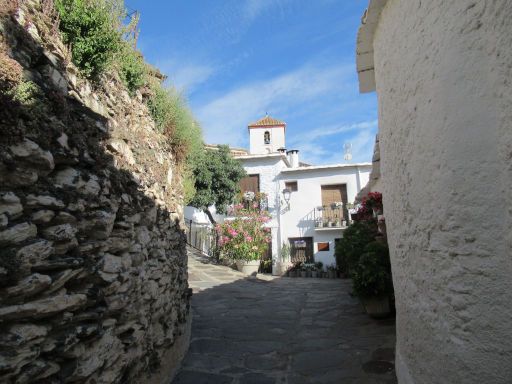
x: 267, y: 121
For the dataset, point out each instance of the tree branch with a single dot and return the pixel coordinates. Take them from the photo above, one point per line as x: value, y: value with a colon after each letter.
x: 210, y: 216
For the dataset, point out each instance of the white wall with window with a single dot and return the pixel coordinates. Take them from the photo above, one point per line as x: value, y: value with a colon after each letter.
x: 305, y: 184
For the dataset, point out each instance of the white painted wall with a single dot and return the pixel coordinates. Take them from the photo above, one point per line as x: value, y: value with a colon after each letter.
x: 269, y: 168
x: 257, y: 143
x: 443, y: 74
x: 299, y: 220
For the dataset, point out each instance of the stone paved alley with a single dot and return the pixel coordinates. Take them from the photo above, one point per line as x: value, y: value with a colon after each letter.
x: 281, y: 330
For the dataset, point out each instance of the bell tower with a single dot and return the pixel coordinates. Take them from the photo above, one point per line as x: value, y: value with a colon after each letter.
x: 266, y: 135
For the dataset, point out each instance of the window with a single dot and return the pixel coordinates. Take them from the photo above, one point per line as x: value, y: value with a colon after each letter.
x: 266, y: 137
x: 250, y: 183
x: 291, y: 186
x: 322, y: 246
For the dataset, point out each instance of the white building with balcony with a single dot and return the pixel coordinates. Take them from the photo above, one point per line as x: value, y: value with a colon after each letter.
x: 307, y: 204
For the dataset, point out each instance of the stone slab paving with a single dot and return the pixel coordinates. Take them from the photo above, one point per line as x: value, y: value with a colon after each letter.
x: 281, y: 330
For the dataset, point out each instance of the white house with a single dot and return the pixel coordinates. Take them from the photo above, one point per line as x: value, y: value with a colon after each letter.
x: 307, y: 204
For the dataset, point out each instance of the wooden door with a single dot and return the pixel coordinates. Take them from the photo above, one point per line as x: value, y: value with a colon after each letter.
x: 334, y: 194
x: 301, y: 249
x: 250, y: 183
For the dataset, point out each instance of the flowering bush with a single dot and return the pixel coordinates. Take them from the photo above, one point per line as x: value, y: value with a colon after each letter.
x: 373, y: 201
x: 245, y: 237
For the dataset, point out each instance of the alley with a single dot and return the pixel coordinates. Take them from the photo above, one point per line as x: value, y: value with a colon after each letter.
x: 281, y: 330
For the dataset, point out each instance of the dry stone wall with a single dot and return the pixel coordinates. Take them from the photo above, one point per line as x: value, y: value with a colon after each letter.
x: 93, y: 274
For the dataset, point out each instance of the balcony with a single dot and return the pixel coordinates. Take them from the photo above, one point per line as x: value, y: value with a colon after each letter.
x: 330, y: 217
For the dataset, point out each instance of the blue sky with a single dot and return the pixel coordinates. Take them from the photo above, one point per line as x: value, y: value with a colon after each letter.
x: 235, y: 60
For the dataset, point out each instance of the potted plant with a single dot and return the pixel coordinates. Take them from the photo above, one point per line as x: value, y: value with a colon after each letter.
x: 309, y: 269
x: 319, y: 268
x: 331, y: 272
x: 371, y: 280
x: 303, y: 271
x: 337, y: 223
x: 245, y: 239
x: 284, y: 254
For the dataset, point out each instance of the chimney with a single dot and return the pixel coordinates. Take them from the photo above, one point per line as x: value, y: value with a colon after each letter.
x: 293, y: 157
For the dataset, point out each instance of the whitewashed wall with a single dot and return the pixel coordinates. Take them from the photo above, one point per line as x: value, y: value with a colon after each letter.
x: 443, y: 72
x: 269, y: 168
x: 298, y: 221
x: 257, y: 142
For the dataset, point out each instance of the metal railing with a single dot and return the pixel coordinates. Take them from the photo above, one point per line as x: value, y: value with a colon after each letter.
x: 202, y: 237
x: 330, y: 217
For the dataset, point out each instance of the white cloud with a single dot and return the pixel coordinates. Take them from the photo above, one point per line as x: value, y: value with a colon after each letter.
x: 362, y: 139
x: 225, y: 119
x: 186, y: 76
x: 318, y: 133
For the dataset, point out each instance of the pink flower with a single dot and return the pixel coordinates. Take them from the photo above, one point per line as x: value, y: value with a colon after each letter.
x: 248, y: 238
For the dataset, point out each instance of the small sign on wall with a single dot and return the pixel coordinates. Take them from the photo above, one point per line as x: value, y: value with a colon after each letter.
x: 299, y: 244
x: 322, y: 246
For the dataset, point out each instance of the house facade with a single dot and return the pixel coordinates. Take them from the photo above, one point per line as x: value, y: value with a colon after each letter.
x: 308, y: 204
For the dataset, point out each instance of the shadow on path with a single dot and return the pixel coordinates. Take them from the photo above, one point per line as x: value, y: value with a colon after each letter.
x: 282, y: 330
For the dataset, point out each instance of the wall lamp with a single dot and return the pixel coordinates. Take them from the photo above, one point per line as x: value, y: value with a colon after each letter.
x: 286, y: 196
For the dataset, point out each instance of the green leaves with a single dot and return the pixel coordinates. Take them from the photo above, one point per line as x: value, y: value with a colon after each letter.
x: 217, y: 176
x: 132, y: 68
x: 371, y: 276
x: 90, y: 27
x: 174, y: 119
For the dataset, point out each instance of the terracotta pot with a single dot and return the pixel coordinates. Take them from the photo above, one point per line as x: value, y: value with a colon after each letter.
x: 377, y: 307
x: 248, y: 267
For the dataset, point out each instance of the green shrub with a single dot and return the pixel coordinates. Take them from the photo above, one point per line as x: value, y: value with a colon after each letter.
x: 351, y: 246
x: 132, y: 68
x: 371, y: 276
x: 91, y: 27
x: 30, y: 98
x: 174, y: 119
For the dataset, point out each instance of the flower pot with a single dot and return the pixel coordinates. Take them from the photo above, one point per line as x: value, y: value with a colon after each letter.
x: 292, y: 274
x: 377, y: 307
x: 313, y: 274
x: 248, y: 267
x: 303, y: 274
x: 331, y: 274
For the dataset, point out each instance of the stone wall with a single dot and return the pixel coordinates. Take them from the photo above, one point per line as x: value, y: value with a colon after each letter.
x: 93, y: 272
x: 443, y: 71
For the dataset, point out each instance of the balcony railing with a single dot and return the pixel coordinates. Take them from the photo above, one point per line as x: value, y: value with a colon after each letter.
x: 330, y: 217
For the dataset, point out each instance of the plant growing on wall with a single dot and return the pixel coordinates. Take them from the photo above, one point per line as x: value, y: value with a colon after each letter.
x: 91, y: 28
x: 373, y: 202
x: 246, y: 237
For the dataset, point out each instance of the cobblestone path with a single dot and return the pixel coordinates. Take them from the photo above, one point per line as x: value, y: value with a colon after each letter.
x: 281, y: 330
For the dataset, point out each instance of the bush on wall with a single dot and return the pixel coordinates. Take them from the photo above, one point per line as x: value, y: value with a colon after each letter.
x: 90, y: 27
x: 132, y: 68
x: 174, y: 119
